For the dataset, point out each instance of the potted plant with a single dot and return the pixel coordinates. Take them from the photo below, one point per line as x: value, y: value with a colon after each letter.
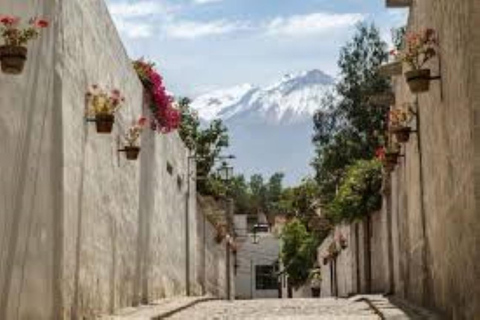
x: 221, y: 233
x: 13, y: 53
x: 398, y: 123
x: 132, y: 149
x: 333, y: 250
x: 316, y: 282
x: 102, y: 105
x: 343, y: 242
x: 388, y: 156
x: 419, y: 49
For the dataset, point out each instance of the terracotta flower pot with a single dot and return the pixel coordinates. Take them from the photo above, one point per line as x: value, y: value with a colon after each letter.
x: 315, y: 292
x: 392, y: 158
x: 104, y: 122
x: 132, y: 152
x: 402, y: 134
x: 418, y: 80
x: 13, y: 59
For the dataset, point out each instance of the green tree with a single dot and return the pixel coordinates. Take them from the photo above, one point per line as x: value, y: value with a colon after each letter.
x: 348, y: 127
x: 299, y: 251
x: 359, y: 192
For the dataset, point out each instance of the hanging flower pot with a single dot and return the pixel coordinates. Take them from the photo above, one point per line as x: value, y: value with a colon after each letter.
x: 325, y: 260
x: 13, y: 53
x: 132, y: 152
x: 221, y: 234
x: 102, y: 106
x: 104, y: 122
x: 420, y: 47
x: 343, y: 242
x: 402, y: 133
x: 391, y: 157
x: 13, y: 59
x: 131, y: 137
x: 418, y: 80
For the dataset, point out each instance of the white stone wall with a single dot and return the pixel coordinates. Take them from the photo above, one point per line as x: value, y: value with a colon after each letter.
x: 212, y: 265
x: 350, y: 269
x: 31, y: 177
x: 84, y: 232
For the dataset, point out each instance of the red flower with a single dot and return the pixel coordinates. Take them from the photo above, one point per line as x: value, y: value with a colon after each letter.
x: 39, y: 23
x: 142, y: 121
x: 9, y: 20
x: 380, y: 153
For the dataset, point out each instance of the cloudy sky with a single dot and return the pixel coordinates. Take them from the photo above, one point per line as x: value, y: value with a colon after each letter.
x: 201, y: 45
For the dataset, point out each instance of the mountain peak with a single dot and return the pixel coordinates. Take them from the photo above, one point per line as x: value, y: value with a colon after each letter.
x: 293, y: 98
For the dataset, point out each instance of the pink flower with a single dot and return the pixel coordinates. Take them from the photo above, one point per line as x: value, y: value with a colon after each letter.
x: 39, y: 22
x: 116, y: 93
x: 142, y: 121
x: 9, y: 20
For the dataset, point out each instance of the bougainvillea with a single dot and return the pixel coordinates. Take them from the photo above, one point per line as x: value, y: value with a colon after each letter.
x: 164, y: 116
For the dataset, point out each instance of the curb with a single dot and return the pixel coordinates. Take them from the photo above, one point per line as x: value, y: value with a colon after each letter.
x: 179, y: 309
x: 373, y: 307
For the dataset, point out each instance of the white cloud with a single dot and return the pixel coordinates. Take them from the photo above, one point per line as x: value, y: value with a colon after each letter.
x: 311, y: 24
x: 137, y: 19
x: 138, y: 9
x: 133, y: 29
x: 195, y: 29
x: 206, y: 1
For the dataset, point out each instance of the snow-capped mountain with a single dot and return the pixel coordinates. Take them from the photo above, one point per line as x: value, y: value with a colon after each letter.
x: 290, y: 100
x: 270, y: 127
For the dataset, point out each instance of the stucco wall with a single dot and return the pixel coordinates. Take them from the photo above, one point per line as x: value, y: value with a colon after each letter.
x: 348, y: 274
x: 434, y: 187
x: 212, y: 263
x: 31, y: 177
x: 84, y: 231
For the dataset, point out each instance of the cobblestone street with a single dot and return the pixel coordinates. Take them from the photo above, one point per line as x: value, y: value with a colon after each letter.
x: 327, y: 308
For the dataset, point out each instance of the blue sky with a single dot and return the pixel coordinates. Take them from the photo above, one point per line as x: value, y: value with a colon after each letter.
x: 201, y: 45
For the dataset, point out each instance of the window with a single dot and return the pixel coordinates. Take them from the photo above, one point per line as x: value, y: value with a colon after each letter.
x: 266, y: 278
x: 169, y: 168
x: 179, y: 183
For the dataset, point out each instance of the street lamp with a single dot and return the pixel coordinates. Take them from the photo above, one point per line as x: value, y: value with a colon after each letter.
x: 225, y: 172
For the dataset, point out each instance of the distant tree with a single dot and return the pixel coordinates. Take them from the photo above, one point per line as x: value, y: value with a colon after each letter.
x: 299, y: 251
x: 207, y: 144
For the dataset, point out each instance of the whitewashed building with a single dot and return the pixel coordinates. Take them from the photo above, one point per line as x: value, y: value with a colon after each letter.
x: 258, y: 259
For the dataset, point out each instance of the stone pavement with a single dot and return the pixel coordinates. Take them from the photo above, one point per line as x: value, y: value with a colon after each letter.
x: 207, y: 308
x: 301, y: 309
x: 156, y: 310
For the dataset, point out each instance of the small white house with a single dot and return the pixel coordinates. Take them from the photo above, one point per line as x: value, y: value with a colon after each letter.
x: 258, y: 260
